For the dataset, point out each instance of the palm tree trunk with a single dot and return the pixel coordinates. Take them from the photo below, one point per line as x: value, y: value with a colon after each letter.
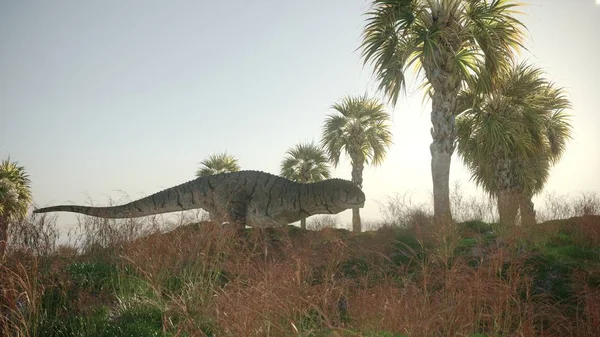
x: 358, y: 164
x: 508, y: 206
x: 440, y: 174
x: 508, y: 197
x: 304, y: 178
x: 3, y: 235
x: 527, y: 210
x: 443, y: 133
x: 356, y: 223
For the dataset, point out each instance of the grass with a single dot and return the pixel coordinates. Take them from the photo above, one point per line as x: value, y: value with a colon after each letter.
x: 406, y: 279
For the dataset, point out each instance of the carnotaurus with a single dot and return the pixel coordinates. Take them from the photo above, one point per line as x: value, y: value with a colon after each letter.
x: 251, y: 198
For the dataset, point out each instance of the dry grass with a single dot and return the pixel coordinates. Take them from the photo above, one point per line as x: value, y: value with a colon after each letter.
x: 207, y: 280
x: 320, y: 222
x: 563, y: 206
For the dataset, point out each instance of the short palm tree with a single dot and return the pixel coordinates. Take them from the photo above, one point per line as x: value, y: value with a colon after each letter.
x: 360, y: 128
x: 510, y: 134
x: 305, y: 163
x: 449, y: 40
x: 15, y: 197
x: 218, y: 163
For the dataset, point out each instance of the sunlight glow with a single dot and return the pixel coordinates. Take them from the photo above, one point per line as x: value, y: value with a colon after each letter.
x: 597, y: 2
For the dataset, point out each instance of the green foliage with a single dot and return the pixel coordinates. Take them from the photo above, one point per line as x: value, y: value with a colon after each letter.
x: 355, y: 268
x: 556, y: 258
x: 56, y: 301
x: 448, y: 39
x: 218, y: 163
x: 131, y: 285
x: 561, y: 247
x: 94, y: 276
x: 305, y: 163
x: 15, y: 197
x: 194, y: 276
x: 476, y: 226
x: 407, y: 248
x: 551, y: 277
x: 15, y: 190
x: 142, y: 320
x: 132, y: 322
x: 466, y: 243
x: 71, y: 325
x: 509, y: 135
x: 311, y: 324
x: 100, y: 283
x: 360, y: 129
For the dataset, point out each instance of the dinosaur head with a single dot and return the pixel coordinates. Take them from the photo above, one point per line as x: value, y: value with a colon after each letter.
x: 346, y: 194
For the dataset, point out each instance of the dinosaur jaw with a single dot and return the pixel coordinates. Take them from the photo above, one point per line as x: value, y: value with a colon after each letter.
x: 357, y: 205
x: 350, y: 205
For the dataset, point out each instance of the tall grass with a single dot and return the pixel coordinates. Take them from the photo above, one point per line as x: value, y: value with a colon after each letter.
x: 401, y: 210
x: 91, y: 233
x: 37, y: 234
x: 153, y: 277
x: 564, y: 206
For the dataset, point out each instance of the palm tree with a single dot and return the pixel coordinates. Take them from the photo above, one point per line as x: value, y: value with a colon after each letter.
x: 305, y: 163
x: 15, y: 197
x: 361, y: 130
x: 510, y: 135
x: 218, y: 163
x: 449, y: 40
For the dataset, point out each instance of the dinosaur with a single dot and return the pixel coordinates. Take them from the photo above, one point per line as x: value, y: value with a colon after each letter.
x: 253, y: 198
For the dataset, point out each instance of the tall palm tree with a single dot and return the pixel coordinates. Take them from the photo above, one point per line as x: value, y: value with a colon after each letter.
x: 449, y: 40
x: 360, y: 128
x: 218, y: 163
x: 15, y: 197
x: 305, y: 163
x: 510, y: 135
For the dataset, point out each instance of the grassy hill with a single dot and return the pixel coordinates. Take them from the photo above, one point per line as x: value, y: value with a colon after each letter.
x: 472, y: 279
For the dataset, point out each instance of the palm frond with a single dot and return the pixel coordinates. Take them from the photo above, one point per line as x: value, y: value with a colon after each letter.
x: 334, y: 128
x: 15, y: 190
x: 493, y: 27
x: 519, y: 122
x: 305, y: 162
x: 218, y: 163
x: 558, y: 132
x: 360, y: 129
x: 388, y: 43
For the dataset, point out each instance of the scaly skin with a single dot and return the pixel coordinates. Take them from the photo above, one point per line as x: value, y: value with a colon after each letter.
x: 250, y: 198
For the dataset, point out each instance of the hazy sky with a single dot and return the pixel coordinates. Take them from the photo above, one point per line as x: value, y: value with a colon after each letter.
x: 101, y: 98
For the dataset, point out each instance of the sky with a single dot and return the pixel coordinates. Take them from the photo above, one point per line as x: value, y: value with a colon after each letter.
x: 106, y: 99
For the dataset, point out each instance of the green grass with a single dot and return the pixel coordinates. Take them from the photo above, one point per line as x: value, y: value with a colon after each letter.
x: 135, y: 321
x: 94, y: 276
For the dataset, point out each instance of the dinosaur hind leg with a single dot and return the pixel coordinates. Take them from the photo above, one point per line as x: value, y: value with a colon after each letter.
x: 237, y: 208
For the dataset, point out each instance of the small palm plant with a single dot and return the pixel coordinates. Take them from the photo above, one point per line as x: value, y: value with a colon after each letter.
x: 305, y: 163
x: 218, y: 163
x: 15, y: 197
x: 360, y: 128
x: 510, y: 135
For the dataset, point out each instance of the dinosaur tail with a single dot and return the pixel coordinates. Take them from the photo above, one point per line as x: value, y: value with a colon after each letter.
x: 178, y: 198
x: 102, y: 212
